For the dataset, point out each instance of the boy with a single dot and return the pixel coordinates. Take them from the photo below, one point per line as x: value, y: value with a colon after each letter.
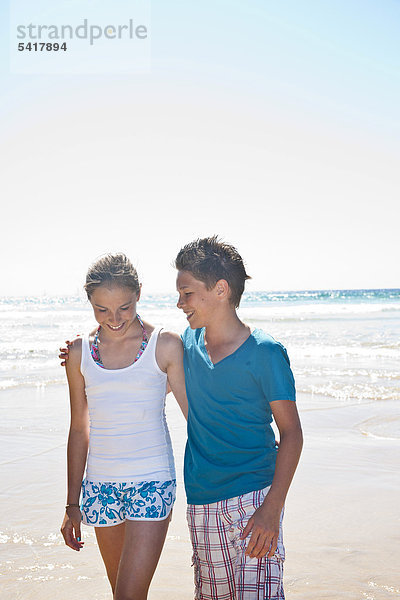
x: 236, y: 479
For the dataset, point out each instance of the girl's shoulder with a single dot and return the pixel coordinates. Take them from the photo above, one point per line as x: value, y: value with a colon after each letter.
x: 170, y: 339
x: 75, y: 347
x: 169, y: 349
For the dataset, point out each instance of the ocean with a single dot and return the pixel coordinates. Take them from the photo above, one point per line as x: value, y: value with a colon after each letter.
x: 344, y: 348
x: 344, y: 345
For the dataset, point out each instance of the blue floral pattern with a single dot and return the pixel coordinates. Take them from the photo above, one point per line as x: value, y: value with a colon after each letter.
x: 107, y: 503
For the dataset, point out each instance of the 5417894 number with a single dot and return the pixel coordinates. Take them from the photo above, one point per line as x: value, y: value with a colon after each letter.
x: 42, y: 47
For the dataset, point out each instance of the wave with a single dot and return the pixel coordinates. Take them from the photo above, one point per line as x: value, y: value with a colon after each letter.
x: 331, y: 296
x: 29, y: 382
x: 6, y: 384
x: 381, y: 427
x: 315, y: 312
x: 360, y: 392
x: 343, y: 372
x: 323, y: 351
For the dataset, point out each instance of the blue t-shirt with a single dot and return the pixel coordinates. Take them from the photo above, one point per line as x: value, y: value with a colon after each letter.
x: 231, y: 445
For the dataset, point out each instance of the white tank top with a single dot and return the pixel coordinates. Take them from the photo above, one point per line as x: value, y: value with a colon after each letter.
x: 129, y: 438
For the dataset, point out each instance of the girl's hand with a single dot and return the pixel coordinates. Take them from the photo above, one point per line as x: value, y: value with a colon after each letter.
x: 71, y: 528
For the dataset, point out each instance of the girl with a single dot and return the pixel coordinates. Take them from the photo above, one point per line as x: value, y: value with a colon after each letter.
x: 117, y: 378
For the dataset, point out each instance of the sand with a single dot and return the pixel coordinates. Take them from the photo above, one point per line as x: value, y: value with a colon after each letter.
x: 341, y: 525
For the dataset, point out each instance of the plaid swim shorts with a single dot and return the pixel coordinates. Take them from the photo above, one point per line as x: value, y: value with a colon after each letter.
x: 221, y: 569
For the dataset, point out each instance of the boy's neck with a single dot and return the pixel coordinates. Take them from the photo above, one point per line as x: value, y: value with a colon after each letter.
x: 225, y: 328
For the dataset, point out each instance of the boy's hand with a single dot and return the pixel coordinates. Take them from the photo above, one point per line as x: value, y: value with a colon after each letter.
x: 264, y: 525
x: 64, y: 352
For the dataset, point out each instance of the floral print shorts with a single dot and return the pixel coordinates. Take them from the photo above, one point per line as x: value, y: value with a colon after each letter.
x: 107, y: 503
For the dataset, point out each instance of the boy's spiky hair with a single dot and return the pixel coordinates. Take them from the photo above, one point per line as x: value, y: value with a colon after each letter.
x: 209, y: 260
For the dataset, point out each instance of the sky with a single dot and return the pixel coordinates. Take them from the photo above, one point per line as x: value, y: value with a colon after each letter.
x: 274, y: 124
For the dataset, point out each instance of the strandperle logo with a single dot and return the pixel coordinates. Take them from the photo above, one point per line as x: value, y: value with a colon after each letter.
x: 85, y: 31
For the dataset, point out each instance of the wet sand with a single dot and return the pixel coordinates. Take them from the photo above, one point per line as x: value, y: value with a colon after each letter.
x: 342, y: 528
